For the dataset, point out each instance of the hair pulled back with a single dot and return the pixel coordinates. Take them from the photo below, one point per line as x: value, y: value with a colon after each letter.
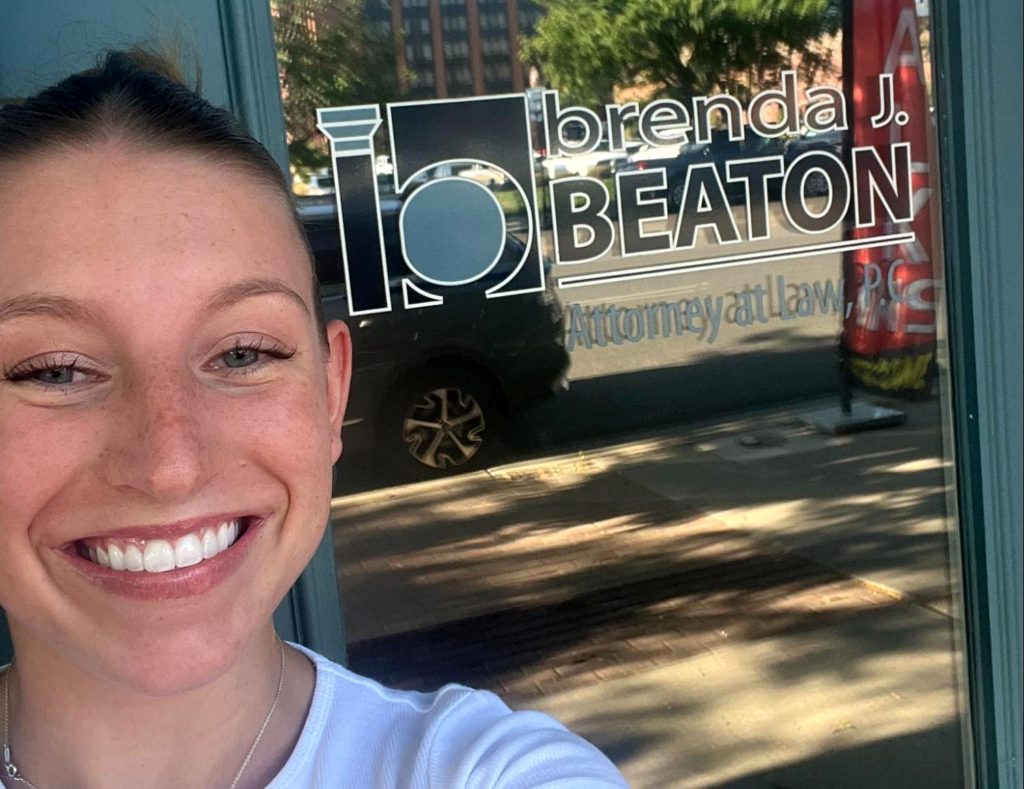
x: 136, y: 97
x: 139, y: 97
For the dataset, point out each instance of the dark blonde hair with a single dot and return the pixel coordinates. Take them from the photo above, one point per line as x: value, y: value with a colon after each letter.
x: 140, y: 97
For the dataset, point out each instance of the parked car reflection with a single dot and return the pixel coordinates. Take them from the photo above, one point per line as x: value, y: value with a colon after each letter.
x: 719, y: 151
x: 433, y: 386
x: 831, y: 141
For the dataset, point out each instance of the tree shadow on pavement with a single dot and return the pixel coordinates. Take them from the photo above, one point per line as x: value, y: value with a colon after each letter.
x: 815, y: 576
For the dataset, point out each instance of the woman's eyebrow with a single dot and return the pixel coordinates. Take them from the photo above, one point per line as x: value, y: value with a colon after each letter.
x: 52, y: 306
x: 63, y: 308
x: 253, y: 287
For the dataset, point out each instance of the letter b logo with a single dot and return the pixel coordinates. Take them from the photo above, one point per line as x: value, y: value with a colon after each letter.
x: 452, y: 229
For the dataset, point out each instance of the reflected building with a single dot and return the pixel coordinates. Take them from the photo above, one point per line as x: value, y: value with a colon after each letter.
x: 450, y: 48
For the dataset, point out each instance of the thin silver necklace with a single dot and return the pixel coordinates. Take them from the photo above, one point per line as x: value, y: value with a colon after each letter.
x: 13, y: 774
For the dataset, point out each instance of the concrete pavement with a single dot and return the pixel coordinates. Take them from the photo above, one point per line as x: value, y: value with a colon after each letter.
x: 743, y: 603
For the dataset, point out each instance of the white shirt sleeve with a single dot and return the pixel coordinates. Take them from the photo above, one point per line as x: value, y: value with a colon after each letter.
x: 478, y: 743
x: 361, y: 735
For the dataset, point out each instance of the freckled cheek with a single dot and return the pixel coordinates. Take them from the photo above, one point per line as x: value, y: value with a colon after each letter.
x: 286, y: 432
x: 42, y: 454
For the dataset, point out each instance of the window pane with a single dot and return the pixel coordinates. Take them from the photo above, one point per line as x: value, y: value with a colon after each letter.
x: 647, y: 428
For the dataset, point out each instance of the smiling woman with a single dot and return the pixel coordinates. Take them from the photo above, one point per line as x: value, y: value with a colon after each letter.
x: 170, y: 408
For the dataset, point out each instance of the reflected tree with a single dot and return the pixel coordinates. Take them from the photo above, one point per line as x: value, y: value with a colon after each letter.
x: 328, y: 55
x: 679, y: 48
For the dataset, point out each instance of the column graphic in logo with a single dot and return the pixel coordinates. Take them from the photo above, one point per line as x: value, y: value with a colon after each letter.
x: 452, y: 229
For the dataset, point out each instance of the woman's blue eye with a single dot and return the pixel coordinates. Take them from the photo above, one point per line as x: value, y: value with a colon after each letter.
x: 251, y: 356
x: 53, y: 371
x: 241, y: 357
x: 56, y: 376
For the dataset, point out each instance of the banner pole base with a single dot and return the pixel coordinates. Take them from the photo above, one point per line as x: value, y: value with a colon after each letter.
x: 837, y: 421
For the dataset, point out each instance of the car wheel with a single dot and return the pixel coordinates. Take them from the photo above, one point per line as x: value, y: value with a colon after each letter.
x: 816, y: 184
x: 440, y: 423
x: 675, y: 196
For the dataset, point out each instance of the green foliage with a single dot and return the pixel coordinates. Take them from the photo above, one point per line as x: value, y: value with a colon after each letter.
x: 682, y: 48
x: 327, y: 56
x: 576, y: 47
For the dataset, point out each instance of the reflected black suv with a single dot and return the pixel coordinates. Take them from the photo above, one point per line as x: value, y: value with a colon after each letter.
x: 433, y: 386
x: 719, y: 151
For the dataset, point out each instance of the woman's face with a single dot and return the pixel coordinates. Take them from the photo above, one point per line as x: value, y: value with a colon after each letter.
x: 162, y: 385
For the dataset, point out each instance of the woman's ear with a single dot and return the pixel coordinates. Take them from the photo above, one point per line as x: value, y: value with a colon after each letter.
x: 339, y: 376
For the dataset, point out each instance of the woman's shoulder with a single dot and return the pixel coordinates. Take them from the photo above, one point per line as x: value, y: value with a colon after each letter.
x: 372, y: 735
x: 346, y: 692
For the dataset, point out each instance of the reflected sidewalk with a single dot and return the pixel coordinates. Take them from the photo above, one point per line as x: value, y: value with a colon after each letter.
x: 714, y: 571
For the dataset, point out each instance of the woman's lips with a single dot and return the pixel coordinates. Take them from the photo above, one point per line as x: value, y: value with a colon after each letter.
x: 157, y: 578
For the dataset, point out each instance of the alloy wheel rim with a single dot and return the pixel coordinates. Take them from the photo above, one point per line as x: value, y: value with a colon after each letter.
x: 817, y: 185
x: 677, y: 196
x: 444, y: 428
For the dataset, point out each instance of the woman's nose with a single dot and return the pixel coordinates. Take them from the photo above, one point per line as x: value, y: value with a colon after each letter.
x: 157, y: 445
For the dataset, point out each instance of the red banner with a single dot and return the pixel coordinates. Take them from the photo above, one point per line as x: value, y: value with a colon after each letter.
x: 889, y: 331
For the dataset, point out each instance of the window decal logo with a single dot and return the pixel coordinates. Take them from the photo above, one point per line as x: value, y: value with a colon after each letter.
x: 452, y: 229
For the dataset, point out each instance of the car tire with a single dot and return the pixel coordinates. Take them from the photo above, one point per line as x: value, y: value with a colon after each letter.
x: 816, y: 185
x: 438, y: 423
x: 675, y: 195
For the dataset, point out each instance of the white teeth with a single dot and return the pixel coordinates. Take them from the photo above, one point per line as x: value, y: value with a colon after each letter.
x: 224, y: 535
x: 158, y: 556
x: 116, y: 556
x: 188, y: 551
x: 133, y: 559
x: 210, y: 547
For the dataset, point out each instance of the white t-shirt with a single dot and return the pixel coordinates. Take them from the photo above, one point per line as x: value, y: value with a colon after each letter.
x: 361, y: 735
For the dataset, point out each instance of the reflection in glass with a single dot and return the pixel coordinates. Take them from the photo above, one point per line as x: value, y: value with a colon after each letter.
x: 698, y: 555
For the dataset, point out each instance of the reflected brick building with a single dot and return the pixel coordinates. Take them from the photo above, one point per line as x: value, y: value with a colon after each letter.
x: 449, y: 48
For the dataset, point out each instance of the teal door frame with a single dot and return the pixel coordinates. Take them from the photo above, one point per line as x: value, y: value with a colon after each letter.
x: 978, y: 49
